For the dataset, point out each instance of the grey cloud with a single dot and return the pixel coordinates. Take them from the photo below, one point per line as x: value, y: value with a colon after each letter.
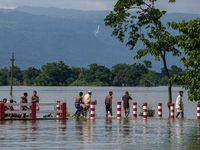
x: 181, y: 6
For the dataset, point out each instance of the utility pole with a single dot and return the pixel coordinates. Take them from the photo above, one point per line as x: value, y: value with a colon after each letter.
x: 11, y: 80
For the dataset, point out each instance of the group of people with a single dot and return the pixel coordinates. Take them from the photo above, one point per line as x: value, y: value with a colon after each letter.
x: 34, y: 99
x: 84, y: 106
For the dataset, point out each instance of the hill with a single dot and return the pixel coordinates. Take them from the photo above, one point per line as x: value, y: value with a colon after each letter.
x: 40, y: 35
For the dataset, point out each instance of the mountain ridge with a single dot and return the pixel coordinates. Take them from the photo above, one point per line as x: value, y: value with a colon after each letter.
x: 37, y: 39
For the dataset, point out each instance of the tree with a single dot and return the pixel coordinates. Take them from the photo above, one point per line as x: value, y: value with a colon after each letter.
x: 54, y: 73
x: 29, y: 75
x: 189, y: 41
x: 148, y: 63
x: 96, y: 74
x: 152, y: 76
x: 129, y: 75
x: 4, y: 76
x: 17, y: 74
x: 157, y: 40
x: 75, y: 72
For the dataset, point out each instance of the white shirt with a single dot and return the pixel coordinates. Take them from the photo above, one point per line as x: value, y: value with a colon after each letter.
x: 87, y: 99
x: 179, y: 101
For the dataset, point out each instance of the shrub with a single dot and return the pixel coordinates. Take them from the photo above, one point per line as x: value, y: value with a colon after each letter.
x: 150, y: 110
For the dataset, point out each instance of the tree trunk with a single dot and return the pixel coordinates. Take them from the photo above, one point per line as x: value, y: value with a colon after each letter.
x: 169, y: 83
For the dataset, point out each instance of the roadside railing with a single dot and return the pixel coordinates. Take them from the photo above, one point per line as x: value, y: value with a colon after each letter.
x: 32, y: 110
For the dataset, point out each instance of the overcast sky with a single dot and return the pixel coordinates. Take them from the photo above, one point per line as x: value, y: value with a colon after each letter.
x: 181, y: 6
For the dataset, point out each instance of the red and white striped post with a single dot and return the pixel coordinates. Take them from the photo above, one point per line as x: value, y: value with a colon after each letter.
x: 118, y: 110
x: 159, y: 110
x: 134, y: 109
x: 172, y: 110
x: 144, y: 110
x: 58, y: 108
x: 198, y: 111
x: 109, y: 114
x: 92, y: 108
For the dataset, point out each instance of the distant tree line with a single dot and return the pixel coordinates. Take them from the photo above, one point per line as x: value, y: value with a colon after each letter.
x: 54, y: 74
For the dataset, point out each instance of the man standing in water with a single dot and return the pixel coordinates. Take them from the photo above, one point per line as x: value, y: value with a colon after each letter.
x: 84, y: 110
x: 108, y: 103
x: 87, y: 99
x: 179, y: 105
x: 35, y: 99
x: 78, y: 101
x: 125, y: 99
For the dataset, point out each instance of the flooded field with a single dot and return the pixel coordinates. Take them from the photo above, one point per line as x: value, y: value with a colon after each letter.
x: 102, y: 133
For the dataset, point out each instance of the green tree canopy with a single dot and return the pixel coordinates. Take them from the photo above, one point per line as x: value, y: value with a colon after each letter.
x: 29, y: 75
x: 189, y: 40
x: 17, y: 73
x: 148, y: 63
x: 4, y: 76
x: 96, y: 73
x: 129, y: 75
x: 54, y: 73
x: 144, y: 25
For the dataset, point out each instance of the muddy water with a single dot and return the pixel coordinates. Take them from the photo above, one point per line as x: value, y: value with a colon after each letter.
x: 102, y: 133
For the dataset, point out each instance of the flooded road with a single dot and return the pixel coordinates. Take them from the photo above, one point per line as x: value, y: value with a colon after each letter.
x: 101, y: 133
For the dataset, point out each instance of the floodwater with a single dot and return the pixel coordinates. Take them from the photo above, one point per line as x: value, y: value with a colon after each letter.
x: 102, y: 133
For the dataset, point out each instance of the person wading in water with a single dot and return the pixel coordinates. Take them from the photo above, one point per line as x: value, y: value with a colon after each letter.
x: 108, y: 103
x: 78, y: 101
x: 125, y: 99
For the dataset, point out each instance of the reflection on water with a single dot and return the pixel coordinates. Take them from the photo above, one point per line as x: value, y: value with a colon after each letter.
x: 118, y: 130
x: 198, y: 132
x: 102, y: 133
x: 108, y: 133
x: 33, y: 133
x: 179, y: 130
x: 79, y: 131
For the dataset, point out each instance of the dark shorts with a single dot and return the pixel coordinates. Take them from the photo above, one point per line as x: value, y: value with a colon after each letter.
x: 126, y: 109
x: 108, y: 107
x: 88, y: 106
x: 78, y: 107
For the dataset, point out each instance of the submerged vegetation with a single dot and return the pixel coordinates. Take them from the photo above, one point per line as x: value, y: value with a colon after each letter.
x: 54, y: 74
x: 150, y: 110
x: 78, y: 118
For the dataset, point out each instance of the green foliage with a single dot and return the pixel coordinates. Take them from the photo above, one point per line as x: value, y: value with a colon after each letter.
x: 30, y: 75
x: 4, y: 76
x: 17, y: 74
x: 151, y: 76
x: 68, y: 115
x: 15, y: 115
x: 96, y: 75
x: 78, y: 118
x: 48, y: 116
x: 189, y: 41
x: 147, y: 63
x: 129, y: 75
x: 144, y: 25
x: 55, y: 73
x: 150, y: 110
x: 75, y: 72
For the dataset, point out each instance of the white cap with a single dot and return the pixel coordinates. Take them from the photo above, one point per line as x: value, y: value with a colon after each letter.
x: 89, y: 91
